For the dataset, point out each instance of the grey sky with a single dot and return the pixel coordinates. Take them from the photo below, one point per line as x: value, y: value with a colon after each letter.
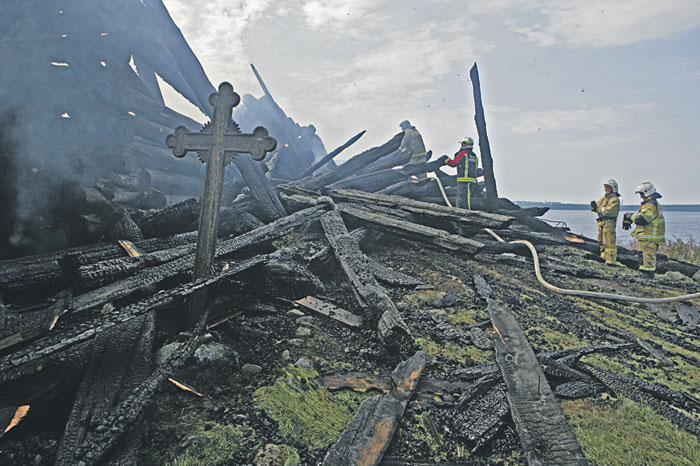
x: 574, y: 92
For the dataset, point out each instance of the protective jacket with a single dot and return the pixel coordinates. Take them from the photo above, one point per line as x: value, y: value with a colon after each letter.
x: 412, y: 142
x: 650, y: 222
x: 467, y: 164
x: 608, y: 207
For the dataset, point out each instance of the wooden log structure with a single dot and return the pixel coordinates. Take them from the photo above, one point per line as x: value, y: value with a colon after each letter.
x: 429, y: 214
x: 151, y: 277
x: 310, y: 171
x: 378, y: 308
x: 484, y: 146
x: 120, y: 362
x: 351, y: 166
x: 368, y: 434
x: 544, y: 432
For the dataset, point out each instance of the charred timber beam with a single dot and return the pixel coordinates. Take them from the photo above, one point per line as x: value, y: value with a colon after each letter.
x: 128, y: 412
x: 633, y: 390
x: 171, y: 220
x: 394, y: 159
x: 362, y: 382
x: 31, y: 359
x: 544, y: 432
x: 310, y: 171
x: 150, y: 277
x: 353, y: 165
x: 484, y: 146
x: 260, y: 187
x: 370, y: 182
x: 170, y: 183
x: 16, y: 329
x: 378, y: 307
x: 120, y: 361
x: 411, y: 231
x: 367, y: 436
x: 472, y: 219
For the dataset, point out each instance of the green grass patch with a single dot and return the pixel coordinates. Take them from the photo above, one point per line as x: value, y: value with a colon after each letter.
x: 466, y: 317
x: 455, y: 352
x: 624, y: 433
x: 309, y: 416
x: 218, y: 445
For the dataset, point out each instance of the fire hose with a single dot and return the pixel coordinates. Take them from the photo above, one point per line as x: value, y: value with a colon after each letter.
x: 587, y: 294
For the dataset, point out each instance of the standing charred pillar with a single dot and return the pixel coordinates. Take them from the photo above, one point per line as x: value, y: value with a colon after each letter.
x: 484, y: 147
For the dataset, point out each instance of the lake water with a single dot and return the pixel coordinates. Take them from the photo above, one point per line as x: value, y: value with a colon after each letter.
x: 683, y: 225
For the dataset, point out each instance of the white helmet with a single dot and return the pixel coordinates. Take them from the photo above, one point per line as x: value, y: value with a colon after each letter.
x: 469, y: 142
x: 646, y: 188
x: 612, y: 183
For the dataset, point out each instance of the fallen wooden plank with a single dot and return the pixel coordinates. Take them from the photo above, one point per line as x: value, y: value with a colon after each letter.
x: 36, y: 357
x: 144, y: 279
x: 368, y: 434
x: 327, y: 158
x: 544, y: 432
x: 362, y: 382
x: 121, y: 360
x: 379, y: 308
x: 411, y: 231
x: 423, y: 210
x: 27, y: 325
x: 353, y: 165
x: 329, y: 310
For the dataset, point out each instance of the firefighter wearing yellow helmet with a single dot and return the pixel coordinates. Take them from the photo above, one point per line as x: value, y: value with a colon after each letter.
x: 608, y: 208
x: 467, y: 164
x: 650, y: 228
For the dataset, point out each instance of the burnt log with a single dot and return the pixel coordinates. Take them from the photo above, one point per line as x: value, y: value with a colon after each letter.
x: 144, y: 279
x: 444, y: 217
x: 352, y: 166
x: 69, y: 348
x: 411, y: 231
x: 544, y: 432
x: 171, y: 220
x: 120, y: 361
x: 378, y: 308
x: 120, y: 420
x: 368, y: 434
x: 126, y: 229
x: 370, y: 182
x: 19, y: 327
x: 648, y: 394
x: 260, y: 187
x: 481, y: 412
x: 391, y: 160
x: 327, y: 158
x: 170, y: 183
x: 484, y: 146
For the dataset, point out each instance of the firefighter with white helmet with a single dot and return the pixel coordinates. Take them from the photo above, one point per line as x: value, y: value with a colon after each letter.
x: 650, y: 225
x: 608, y: 208
x: 412, y: 143
x: 467, y: 164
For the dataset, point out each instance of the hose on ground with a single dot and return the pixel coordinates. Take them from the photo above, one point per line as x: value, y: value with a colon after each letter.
x: 589, y: 294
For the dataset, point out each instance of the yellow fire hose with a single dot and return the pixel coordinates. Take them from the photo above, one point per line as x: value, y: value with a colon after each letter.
x: 589, y: 294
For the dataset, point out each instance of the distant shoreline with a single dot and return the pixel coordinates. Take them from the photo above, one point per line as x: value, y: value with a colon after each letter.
x: 564, y: 206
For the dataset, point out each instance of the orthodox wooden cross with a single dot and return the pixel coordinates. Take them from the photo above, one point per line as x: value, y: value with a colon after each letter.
x: 217, y: 143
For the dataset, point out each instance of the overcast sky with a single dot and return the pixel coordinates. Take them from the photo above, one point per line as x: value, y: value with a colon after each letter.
x: 574, y: 92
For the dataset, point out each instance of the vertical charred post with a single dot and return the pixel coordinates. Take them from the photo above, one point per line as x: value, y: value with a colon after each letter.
x: 484, y: 147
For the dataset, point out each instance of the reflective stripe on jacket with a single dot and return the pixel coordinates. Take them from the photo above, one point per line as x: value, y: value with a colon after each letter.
x: 467, y: 164
x: 655, y: 228
x: 608, y: 207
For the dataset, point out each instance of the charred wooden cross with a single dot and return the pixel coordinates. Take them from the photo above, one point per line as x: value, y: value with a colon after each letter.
x: 217, y: 144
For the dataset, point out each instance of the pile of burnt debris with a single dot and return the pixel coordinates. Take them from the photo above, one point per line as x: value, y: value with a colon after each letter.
x: 419, y: 338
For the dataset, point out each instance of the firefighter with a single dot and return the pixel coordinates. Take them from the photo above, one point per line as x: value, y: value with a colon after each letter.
x: 412, y: 142
x: 467, y: 164
x: 650, y: 228
x: 607, y: 208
